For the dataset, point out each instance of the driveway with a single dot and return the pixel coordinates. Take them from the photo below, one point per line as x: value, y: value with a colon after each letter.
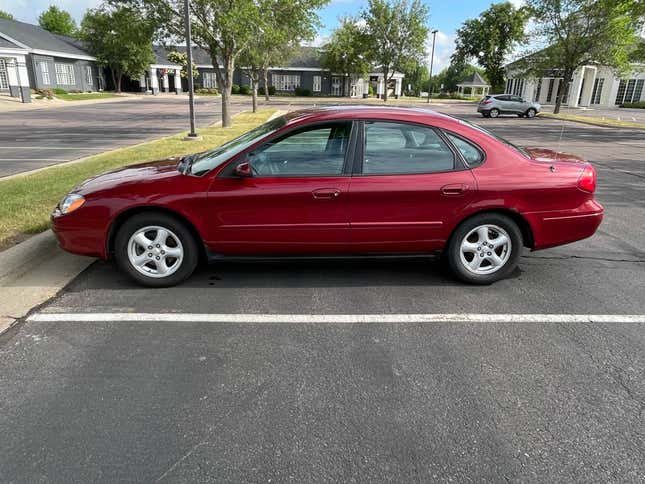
x: 40, y: 137
x: 94, y: 393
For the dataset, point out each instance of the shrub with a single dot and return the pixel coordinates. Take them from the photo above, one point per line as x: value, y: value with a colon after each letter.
x: 74, y: 91
x: 371, y: 90
x: 235, y: 89
x: 59, y: 91
x: 302, y: 91
x: 204, y: 90
x: 44, y: 93
x: 245, y: 90
x: 639, y: 105
x: 271, y: 90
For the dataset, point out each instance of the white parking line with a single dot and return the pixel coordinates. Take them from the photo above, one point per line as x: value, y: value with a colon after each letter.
x: 335, y: 318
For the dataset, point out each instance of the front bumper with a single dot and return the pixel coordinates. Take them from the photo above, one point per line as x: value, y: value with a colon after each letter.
x: 80, y: 234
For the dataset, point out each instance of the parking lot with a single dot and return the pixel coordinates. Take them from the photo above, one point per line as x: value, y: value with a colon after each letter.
x: 93, y: 398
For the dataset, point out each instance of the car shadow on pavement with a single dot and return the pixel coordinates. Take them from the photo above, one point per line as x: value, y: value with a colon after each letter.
x: 299, y: 273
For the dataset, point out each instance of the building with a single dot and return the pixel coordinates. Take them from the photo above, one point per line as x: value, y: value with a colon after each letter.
x: 303, y: 70
x: 33, y: 58
x: 475, y: 85
x: 592, y: 85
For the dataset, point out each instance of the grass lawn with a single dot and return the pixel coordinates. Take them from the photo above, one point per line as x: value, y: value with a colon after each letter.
x: 84, y: 96
x: 596, y: 121
x: 27, y: 201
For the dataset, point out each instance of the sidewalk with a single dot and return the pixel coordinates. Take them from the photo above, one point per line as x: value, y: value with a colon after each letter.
x: 9, y: 104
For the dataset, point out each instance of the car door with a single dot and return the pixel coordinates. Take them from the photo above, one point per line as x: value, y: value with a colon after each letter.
x: 504, y: 103
x: 518, y: 104
x: 408, y: 188
x: 294, y: 201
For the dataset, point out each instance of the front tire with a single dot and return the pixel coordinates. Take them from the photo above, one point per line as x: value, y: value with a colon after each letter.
x: 156, y: 250
x: 484, y: 248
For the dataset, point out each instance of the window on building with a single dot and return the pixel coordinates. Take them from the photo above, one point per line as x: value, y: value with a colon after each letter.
x: 629, y: 90
x: 65, y: 74
x: 89, y: 78
x: 538, y: 90
x: 209, y: 80
x: 596, y: 94
x: 317, y: 83
x: 286, y: 82
x: 4, y: 81
x: 518, y: 87
x: 44, y: 71
x: 509, y: 85
x: 549, y: 93
x: 394, y: 148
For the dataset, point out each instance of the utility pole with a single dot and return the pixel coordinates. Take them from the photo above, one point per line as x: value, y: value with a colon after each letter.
x: 189, y: 73
x: 434, y: 36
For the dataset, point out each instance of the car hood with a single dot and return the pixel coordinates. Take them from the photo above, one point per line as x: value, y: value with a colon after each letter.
x: 542, y: 154
x: 148, y: 172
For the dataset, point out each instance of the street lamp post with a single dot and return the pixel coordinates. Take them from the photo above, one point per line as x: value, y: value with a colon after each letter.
x: 434, y: 37
x: 189, y: 73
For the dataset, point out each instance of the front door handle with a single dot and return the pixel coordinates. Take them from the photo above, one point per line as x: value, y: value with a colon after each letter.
x: 326, y: 193
x: 454, y: 190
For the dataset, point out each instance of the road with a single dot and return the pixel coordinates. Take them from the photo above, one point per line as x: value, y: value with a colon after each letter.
x: 35, y: 138
x: 495, y: 401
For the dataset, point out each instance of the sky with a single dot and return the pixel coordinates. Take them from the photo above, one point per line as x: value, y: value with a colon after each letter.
x: 445, y: 15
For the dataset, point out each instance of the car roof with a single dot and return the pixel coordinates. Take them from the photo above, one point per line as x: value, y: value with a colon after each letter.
x: 401, y: 113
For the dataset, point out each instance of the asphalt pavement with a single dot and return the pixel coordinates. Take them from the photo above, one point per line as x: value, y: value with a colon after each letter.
x: 36, y: 138
x: 497, y: 401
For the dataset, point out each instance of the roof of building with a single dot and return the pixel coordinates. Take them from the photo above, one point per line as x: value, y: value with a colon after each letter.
x: 474, y: 80
x: 6, y: 44
x: 37, y: 38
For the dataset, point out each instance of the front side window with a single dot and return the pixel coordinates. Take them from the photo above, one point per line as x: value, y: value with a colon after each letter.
x: 65, y: 74
x: 399, y: 148
x: 313, y: 151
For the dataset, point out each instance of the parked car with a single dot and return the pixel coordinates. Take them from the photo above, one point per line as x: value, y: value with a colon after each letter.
x: 336, y: 181
x: 493, y: 106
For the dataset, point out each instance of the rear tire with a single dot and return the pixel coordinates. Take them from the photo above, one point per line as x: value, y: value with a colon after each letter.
x: 156, y: 250
x: 493, y: 113
x: 531, y: 113
x: 484, y: 248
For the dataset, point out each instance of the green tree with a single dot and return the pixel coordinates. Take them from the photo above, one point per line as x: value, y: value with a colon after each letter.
x: 346, y: 52
x: 181, y: 58
x: 283, y: 25
x: 490, y: 38
x: 57, y: 21
x: 6, y: 15
x: 417, y: 77
x: 581, y: 32
x: 121, y: 39
x: 455, y: 73
x: 223, y: 28
x: 396, y: 31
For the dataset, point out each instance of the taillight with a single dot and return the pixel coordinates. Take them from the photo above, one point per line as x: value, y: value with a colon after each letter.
x: 587, y: 180
x: 486, y: 102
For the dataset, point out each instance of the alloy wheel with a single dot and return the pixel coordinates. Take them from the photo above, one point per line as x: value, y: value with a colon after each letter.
x: 485, y: 249
x: 155, y: 251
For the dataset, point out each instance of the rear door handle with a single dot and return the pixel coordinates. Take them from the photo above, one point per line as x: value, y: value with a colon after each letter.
x: 326, y: 193
x: 454, y: 190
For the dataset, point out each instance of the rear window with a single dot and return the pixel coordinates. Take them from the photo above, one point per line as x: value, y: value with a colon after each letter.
x: 471, y: 153
x: 519, y: 149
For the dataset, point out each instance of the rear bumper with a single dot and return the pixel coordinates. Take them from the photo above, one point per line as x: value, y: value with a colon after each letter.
x: 560, y: 227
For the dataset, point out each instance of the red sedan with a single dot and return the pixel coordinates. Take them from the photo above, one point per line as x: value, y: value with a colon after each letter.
x: 336, y: 181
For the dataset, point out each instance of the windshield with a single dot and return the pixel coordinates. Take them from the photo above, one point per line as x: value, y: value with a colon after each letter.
x: 519, y: 149
x: 205, y: 162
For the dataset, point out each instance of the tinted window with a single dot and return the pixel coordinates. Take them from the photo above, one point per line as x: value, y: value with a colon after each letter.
x: 392, y: 148
x: 503, y: 98
x: 312, y: 151
x: 469, y: 151
x: 517, y: 99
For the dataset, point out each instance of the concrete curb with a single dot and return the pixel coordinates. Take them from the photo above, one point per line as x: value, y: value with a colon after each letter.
x: 589, y: 123
x: 31, y: 273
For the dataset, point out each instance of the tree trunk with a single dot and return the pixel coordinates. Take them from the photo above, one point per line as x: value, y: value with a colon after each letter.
x: 561, y: 90
x: 119, y: 76
x: 266, y: 85
x: 113, y: 78
x: 229, y: 66
x: 385, y: 83
x: 254, y: 91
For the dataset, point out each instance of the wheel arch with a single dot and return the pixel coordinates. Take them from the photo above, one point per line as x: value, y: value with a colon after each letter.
x: 525, y: 228
x: 126, y: 214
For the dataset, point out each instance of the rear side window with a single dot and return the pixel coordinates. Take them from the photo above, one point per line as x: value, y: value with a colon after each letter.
x: 471, y: 153
x: 400, y: 148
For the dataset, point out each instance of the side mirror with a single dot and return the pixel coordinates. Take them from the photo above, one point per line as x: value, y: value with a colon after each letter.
x: 243, y: 169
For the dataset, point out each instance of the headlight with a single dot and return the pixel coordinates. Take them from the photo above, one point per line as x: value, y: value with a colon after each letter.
x: 71, y: 202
